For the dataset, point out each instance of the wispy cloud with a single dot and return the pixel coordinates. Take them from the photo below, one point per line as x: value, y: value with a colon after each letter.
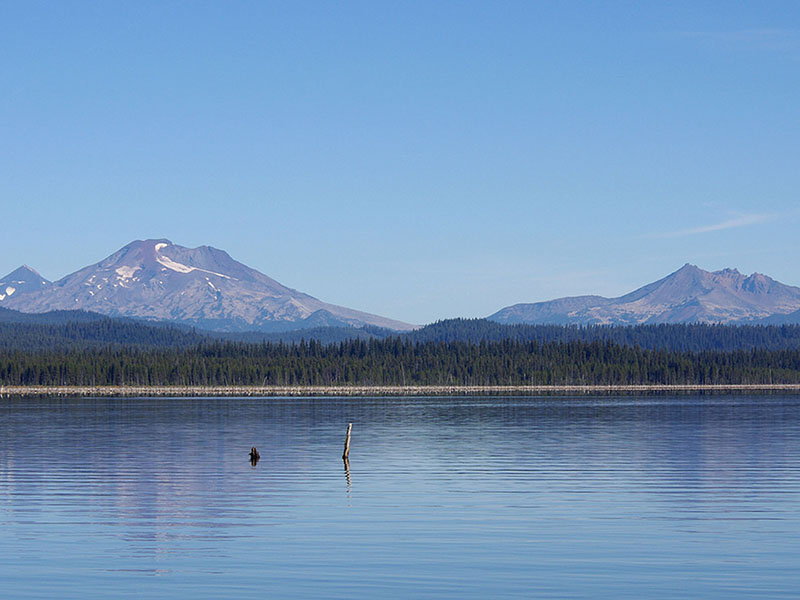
x: 733, y: 223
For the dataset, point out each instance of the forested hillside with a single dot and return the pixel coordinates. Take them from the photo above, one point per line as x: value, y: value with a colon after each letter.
x: 694, y: 337
x: 102, y: 333
x: 80, y: 329
x: 123, y: 333
x: 55, y: 317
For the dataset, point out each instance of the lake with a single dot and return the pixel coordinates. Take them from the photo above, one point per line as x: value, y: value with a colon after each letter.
x: 685, y: 496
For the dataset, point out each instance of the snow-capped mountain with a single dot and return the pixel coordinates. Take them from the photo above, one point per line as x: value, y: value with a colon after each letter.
x: 689, y: 295
x: 20, y: 282
x: 156, y: 279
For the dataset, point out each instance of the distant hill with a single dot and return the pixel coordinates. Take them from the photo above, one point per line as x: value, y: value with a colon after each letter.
x: 94, y: 333
x: 65, y: 330
x: 682, y: 337
x: 689, y: 295
x: 71, y: 329
x: 55, y: 317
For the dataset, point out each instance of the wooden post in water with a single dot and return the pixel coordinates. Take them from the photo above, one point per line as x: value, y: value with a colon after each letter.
x: 347, y: 442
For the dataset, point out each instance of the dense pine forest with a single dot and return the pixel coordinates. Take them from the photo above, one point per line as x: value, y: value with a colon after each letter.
x: 397, y: 361
x: 694, y: 337
x: 77, y: 348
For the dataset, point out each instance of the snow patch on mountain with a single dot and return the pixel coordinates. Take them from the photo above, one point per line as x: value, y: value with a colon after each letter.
x: 175, y: 266
x: 126, y: 272
x: 181, y: 268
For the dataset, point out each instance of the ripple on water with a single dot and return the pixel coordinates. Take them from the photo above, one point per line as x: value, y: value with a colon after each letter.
x: 658, y: 497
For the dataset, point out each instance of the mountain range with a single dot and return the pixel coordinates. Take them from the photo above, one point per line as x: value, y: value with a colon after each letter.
x: 689, y: 295
x: 204, y: 287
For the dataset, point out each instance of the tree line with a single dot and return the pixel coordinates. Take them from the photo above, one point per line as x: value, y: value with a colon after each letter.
x: 670, y: 336
x: 397, y: 361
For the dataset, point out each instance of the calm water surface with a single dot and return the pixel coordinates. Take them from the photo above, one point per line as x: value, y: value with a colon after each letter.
x: 591, y: 497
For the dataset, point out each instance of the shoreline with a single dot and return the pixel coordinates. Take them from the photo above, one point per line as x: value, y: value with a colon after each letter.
x: 376, y: 390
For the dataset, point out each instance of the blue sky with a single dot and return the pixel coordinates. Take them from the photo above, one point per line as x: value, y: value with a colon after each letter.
x: 419, y: 160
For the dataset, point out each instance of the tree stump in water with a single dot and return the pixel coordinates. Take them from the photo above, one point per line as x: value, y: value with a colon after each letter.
x: 347, y: 442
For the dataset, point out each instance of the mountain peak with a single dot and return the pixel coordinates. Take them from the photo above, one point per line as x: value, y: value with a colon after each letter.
x: 690, y: 294
x: 729, y: 273
x: 23, y: 273
x: 687, y: 271
x: 157, y: 279
x: 149, y: 242
x: 21, y: 281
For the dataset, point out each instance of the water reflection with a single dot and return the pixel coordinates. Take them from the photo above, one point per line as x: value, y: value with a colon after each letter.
x: 346, y: 462
x: 456, y: 497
